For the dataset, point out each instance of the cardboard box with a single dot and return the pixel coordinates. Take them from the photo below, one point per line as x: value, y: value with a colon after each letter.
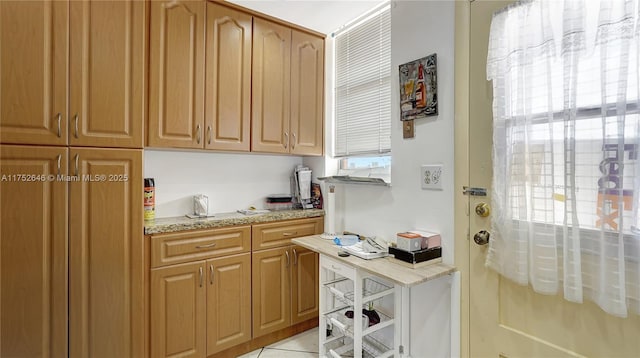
x: 429, y: 239
x: 409, y: 241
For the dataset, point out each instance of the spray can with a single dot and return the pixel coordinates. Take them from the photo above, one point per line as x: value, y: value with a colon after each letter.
x: 149, y: 199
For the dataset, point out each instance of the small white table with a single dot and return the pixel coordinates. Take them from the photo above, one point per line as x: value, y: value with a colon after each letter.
x: 349, y: 283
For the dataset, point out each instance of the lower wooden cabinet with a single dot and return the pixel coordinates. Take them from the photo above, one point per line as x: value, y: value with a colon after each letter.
x: 228, y: 302
x: 200, y: 308
x: 106, y: 255
x: 33, y: 252
x: 304, y: 284
x: 178, y: 311
x: 285, y: 288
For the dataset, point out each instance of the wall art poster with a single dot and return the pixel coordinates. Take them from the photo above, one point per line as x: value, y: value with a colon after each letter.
x: 418, y: 88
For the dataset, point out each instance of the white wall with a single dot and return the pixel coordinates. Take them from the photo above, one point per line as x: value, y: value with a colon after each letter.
x: 419, y: 28
x: 232, y: 181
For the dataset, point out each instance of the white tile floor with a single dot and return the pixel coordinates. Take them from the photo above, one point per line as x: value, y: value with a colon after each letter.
x: 303, y: 345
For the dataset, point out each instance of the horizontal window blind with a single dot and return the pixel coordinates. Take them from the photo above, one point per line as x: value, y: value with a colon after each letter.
x: 363, y: 87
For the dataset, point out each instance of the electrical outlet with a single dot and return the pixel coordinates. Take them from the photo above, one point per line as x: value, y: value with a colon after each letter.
x: 431, y: 176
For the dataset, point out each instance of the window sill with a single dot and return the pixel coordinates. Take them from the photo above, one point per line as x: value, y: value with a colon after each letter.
x: 347, y: 179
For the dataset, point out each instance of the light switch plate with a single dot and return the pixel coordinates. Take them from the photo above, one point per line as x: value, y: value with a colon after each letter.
x: 431, y: 176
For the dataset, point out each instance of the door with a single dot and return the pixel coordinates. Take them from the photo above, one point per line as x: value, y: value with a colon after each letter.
x: 178, y: 304
x: 271, y: 87
x: 507, y: 319
x: 228, y: 302
x: 33, y: 72
x: 33, y: 252
x: 176, y: 74
x: 304, y: 284
x: 228, y: 74
x: 271, y: 290
x: 107, y: 73
x: 106, y: 253
x: 307, y: 93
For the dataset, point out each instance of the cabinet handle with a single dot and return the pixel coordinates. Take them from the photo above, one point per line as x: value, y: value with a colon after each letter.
x: 59, y: 159
x: 295, y: 257
x: 289, y: 233
x: 201, y: 278
x: 59, y: 119
x: 286, y: 253
x: 206, y: 246
x: 211, y: 274
x: 293, y: 144
x: 286, y: 140
x: 77, y: 168
x: 198, y: 133
x: 209, y: 134
x: 75, y: 121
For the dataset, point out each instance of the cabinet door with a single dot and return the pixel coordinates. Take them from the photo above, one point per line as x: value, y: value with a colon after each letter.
x: 106, y: 253
x: 271, y: 290
x: 33, y: 72
x: 178, y: 304
x: 33, y: 252
x: 304, y: 284
x: 107, y: 73
x: 307, y: 93
x: 176, y: 80
x: 228, y: 92
x: 271, y: 87
x: 228, y: 302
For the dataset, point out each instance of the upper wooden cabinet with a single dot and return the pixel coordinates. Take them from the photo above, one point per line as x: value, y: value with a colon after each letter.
x: 33, y: 248
x: 107, y: 73
x: 223, y: 78
x: 271, y: 87
x: 288, y: 90
x: 104, y: 43
x: 228, y: 79
x: 176, y: 80
x: 307, y: 94
x: 33, y: 72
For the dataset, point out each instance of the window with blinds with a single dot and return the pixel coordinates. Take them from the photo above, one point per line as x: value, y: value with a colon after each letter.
x: 363, y: 87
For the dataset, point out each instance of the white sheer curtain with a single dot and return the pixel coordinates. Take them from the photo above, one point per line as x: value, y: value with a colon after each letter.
x: 566, y: 139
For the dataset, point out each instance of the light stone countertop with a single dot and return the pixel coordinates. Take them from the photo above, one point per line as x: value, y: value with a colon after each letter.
x: 183, y: 223
x: 384, y: 267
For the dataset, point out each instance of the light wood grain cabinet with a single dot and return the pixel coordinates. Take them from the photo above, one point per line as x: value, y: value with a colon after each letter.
x: 33, y: 252
x: 288, y: 90
x: 307, y: 94
x: 271, y: 290
x: 176, y: 74
x: 78, y: 234
x: 225, y: 277
x: 228, y: 302
x: 107, y: 73
x: 271, y: 87
x: 284, y: 276
x: 33, y: 72
x: 304, y: 284
x: 178, y: 311
x: 228, y: 79
x: 104, y: 43
x: 106, y: 266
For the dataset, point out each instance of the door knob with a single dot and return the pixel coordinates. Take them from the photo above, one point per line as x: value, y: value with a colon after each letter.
x: 482, y: 237
x: 483, y: 210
